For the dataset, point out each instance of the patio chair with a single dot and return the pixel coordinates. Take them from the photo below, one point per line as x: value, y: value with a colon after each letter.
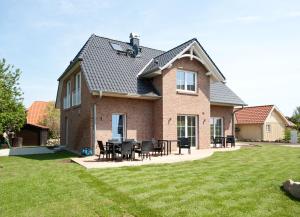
x: 126, y: 150
x: 218, y: 140
x: 103, y: 150
x: 230, y: 139
x: 145, y: 150
x: 158, y: 146
x: 184, y: 143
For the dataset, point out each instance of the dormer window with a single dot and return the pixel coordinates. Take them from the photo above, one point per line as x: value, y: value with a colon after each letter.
x: 186, y: 80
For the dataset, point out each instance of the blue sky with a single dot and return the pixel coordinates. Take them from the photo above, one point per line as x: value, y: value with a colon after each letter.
x: 256, y: 44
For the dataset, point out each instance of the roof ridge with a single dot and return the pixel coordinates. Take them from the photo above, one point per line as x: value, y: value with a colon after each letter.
x: 258, y: 106
x: 175, y: 47
x: 126, y: 42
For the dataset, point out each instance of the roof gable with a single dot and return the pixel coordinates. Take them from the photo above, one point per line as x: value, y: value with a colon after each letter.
x: 191, y: 49
x: 36, y: 112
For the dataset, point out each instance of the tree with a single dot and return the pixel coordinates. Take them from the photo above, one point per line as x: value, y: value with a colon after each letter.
x: 12, y: 110
x: 52, y: 120
x: 296, y: 117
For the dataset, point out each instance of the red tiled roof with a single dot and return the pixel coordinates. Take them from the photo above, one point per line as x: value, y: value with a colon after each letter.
x: 36, y: 112
x: 253, y: 115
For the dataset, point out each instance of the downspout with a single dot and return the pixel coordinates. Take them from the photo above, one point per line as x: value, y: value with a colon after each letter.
x: 94, y: 128
x: 233, y: 124
x: 94, y: 113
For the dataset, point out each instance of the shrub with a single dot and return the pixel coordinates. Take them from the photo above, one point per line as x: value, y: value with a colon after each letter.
x: 287, y: 135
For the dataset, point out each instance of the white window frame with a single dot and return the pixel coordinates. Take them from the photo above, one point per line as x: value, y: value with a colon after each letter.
x: 214, y: 121
x: 268, y: 128
x: 124, y: 125
x: 185, y: 81
x: 186, y: 127
x: 76, y: 94
x: 67, y: 98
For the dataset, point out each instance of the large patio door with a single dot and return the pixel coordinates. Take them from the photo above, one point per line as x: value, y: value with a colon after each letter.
x: 216, y: 126
x: 187, y: 128
x: 119, y: 127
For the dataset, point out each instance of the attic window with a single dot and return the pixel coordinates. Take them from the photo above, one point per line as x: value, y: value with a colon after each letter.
x: 116, y: 47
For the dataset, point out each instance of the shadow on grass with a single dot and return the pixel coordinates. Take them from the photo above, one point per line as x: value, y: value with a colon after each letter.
x: 289, y: 195
x: 54, y: 156
x: 122, y: 199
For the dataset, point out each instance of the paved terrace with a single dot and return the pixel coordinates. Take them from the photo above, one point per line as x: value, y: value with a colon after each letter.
x: 93, y: 162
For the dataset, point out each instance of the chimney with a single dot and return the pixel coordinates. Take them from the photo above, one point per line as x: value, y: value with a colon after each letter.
x: 135, y: 43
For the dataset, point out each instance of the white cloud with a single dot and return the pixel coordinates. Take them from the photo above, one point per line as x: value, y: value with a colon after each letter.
x: 241, y: 19
x: 294, y: 14
x: 79, y: 6
x: 47, y: 24
x: 248, y: 19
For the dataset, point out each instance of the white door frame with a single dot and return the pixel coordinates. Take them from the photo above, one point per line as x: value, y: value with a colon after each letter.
x: 186, y: 128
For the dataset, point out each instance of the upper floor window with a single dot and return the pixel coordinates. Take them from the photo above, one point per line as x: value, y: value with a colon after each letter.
x: 268, y: 128
x: 186, y: 80
x: 67, y: 98
x: 76, y: 95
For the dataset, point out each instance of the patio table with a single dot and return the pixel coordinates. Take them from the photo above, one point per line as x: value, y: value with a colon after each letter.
x: 169, y: 143
x: 115, y: 144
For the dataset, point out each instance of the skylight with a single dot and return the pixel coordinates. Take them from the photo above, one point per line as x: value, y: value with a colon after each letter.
x: 116, y: 47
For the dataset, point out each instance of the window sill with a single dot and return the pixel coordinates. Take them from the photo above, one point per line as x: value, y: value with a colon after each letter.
x: 72, y: 107
x: 184, y: 92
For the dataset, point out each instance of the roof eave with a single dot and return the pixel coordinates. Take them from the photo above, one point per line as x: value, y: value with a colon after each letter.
x: 227, y: 104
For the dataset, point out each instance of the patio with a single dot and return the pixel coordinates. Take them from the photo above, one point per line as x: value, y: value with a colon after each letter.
x: 94, y: 162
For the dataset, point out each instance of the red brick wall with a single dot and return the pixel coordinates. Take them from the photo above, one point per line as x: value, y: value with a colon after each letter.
x: 174, y: 103
x: 226, y: 113
x: 139, y: 117
x: 79, y: 117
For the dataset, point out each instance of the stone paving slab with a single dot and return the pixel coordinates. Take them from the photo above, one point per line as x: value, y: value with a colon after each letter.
x: 93, y: 161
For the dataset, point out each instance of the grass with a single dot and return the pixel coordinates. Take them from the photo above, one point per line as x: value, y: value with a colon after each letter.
x: 240, y: 183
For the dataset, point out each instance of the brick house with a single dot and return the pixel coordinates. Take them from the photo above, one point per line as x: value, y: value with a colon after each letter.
x: 115, y: 89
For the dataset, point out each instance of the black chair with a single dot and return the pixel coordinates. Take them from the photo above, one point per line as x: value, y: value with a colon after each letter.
x: 219, y: 140
x: 145, y: 150
x: 158, y: 147
x: 230, y: 139
x: 184, y: 143
x: 126, y: 150
x: 103, y: 150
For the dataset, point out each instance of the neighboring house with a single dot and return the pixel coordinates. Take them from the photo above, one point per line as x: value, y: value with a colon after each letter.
x: 115, y: 89
x: 261, y: 123
x: 33, y: 133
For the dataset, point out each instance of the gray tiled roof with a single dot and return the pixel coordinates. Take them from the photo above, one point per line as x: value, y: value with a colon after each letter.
x: 220, y: 93
x: 106, y: 70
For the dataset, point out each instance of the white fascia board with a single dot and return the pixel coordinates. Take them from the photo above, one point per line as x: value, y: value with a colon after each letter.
x: 203, y: 59
x: 140, y: 72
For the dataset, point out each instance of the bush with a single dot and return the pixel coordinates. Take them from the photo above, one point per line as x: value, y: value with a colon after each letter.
x: 287, y: 135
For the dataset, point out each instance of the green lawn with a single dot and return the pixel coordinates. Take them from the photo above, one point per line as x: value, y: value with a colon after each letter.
x: 240, y: 183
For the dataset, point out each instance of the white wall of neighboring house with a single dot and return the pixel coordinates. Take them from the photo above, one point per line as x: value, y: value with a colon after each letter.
x: 277, y: 127
x: 250, y: 132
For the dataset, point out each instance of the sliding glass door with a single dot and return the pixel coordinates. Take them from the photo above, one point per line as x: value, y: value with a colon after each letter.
x: 216, y: 126
x: 118, y: 127
x: 187, y: 128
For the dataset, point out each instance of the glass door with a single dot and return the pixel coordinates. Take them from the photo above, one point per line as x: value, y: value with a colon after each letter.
x: 216, y: 126
x: 187, y: 128
x: 118, y: 127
